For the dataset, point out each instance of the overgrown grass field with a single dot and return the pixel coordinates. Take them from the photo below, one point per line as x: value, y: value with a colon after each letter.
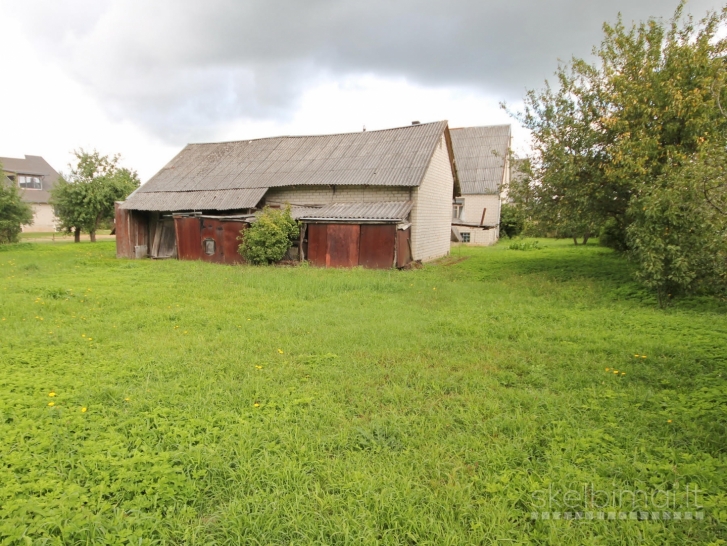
x: 147, y: 402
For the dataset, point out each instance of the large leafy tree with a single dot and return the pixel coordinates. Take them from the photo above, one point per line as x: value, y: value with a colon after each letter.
x: 631, y: 130
x: 84, y: 198
x: 14, y: 213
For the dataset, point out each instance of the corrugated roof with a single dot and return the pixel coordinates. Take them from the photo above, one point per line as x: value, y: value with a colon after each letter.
x: 480, y: 154
x: 391, y: 157
x: 32, y: 165
x: 382, y: 210
x: 195, y: 200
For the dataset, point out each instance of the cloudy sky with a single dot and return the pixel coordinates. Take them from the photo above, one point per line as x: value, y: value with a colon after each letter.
x: 144, y: 77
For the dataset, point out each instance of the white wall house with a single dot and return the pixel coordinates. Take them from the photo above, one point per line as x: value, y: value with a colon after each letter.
x: 481, y: 155
x: 35, y: 178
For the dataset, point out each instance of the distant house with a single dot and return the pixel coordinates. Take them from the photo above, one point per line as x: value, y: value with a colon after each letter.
x: 483, y: 167
x: 35, y: 178
x: 376, y: 198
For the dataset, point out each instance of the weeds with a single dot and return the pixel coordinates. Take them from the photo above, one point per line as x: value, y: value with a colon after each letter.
x: 202, y: 404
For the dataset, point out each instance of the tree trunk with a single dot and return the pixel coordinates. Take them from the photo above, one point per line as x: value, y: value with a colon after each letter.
x: 575, y: 241
x: 585, y: 237
x: 92, y: 234
x: 76, y: 235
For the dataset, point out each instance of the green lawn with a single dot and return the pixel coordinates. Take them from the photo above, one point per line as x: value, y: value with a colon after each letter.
x: 204, y: 404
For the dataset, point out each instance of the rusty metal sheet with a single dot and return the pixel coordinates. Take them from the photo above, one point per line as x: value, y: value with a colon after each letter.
x: 212, y: 231
x: 188, y: 238
x: 376, y: 249
x: 230, y: 243
x: 403, y: 247
x: 317, y: 244
x: 343, y: 244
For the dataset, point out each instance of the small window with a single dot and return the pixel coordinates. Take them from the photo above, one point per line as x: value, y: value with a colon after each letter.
x: 29, y: 182
x: 465, y: 237
x: 209, y: 246
x: 457, y: 207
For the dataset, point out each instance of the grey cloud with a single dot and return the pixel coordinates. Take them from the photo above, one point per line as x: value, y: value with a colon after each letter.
x: 182, y: 66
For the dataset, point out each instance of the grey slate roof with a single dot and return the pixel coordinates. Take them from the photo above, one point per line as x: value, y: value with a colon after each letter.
x: 391, y: 157
x: 383, y: 211
x: 480, y: 153
x: 195, y: 200
x: 32, y: 165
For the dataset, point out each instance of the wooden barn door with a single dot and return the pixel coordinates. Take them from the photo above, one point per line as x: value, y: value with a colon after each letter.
x: 376, y: 250
x: 343, y: 243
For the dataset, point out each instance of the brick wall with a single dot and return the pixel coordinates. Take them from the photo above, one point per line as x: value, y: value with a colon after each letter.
x: 323, y: 195
x: 432, y: 213
x: 474, y: 204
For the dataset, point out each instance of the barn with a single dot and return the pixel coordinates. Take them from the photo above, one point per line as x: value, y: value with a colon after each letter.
x: 375, y: 199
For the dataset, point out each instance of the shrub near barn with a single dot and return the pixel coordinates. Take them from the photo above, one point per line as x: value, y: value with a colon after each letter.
x: 268, y: 238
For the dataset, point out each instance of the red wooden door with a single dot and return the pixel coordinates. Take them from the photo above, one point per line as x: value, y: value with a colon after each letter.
x: 317, y: 244
x: 343, y: 243
x: 376, y: 250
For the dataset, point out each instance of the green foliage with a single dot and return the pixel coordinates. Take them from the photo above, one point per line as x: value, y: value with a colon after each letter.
x: 522, y: 244
x: 512, y: 220
x: 84, y: 201
x: 246, y: 405
x: 612, y: 133
x: 14, y: 213
x: 268, y: 238
x: 677, y: 237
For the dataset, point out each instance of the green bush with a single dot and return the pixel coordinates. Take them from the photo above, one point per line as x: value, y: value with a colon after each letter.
x: 269, y: 237
x: 14, y: 213
x: 512, y: 220
x: 524, y: 245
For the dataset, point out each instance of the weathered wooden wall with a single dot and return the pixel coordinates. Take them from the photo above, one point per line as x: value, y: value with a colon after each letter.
x: 131, y: 230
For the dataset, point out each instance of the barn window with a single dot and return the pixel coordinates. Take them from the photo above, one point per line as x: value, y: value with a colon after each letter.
x: 465, y: 237
x: 209, y: 246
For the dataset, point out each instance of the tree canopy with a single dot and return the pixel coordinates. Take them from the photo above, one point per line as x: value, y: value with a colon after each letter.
x: 14, y: 213
x: 85, y: 198
x: 631, y: 134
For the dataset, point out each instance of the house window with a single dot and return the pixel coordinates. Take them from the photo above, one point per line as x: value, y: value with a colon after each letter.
x: 465, y: 237
x: 457, y: 207
x: 29, y: 182
x: 209, y: 246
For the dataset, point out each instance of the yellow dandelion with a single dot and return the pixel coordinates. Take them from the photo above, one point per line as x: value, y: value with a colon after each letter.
x: 668, y: 420
x: 51, y: 394
x: 280, y: 351
x: 636, y: 356
x: 126, y: 399
x: 615, y: 371
x: 434, y: 288
x: 623, y: 373
x: 83, y: 410
x: 256, y: 405
x: 185, y: 331
x: 643, y: 356
x: 608, y: 369
x: 83, y: 335
x: 90, y: 339
x: 51, y: 404
x: 259, y: 367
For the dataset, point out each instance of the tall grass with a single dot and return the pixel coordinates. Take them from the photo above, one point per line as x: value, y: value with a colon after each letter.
x: 229, y: 405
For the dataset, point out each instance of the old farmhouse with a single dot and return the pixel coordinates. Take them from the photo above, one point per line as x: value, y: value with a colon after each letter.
x: 483, y: 169
x: 375, y: 198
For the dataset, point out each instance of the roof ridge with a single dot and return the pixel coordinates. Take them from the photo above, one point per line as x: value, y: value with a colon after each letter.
x: 444, y: 121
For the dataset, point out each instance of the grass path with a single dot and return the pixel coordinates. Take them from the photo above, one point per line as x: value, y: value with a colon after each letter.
x: 203, y: 404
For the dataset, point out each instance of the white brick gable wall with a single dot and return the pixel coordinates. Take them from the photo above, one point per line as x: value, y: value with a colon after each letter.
x: 431, y: 216
x: 475, y: 204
